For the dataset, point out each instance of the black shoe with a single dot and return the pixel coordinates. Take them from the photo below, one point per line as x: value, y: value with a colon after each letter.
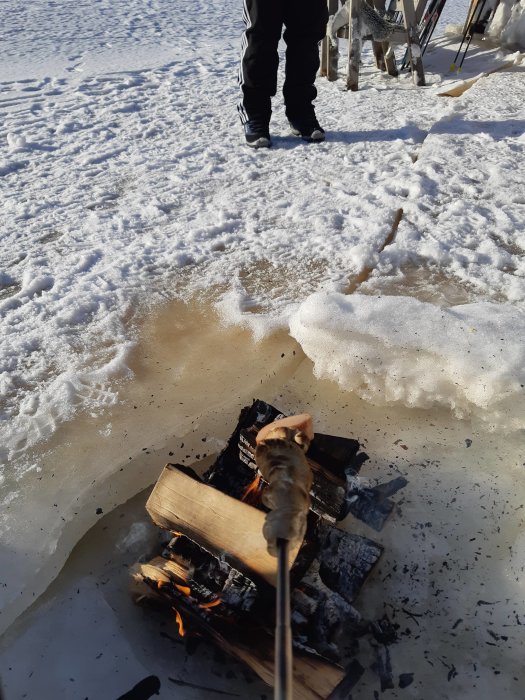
x: 257, y: 133
x: 308, y: 129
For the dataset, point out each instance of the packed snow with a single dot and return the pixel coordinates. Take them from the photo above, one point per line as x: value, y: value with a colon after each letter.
x: 401, y: 350
x: 508, y: 23
x: 115, y: 180
x: 393, y: 253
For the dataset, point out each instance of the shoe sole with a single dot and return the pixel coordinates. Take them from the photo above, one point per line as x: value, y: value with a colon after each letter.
x: 315, y: 137
x: 260, y: 143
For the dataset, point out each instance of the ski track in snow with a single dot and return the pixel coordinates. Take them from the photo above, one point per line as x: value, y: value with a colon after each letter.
x: 123, y: 172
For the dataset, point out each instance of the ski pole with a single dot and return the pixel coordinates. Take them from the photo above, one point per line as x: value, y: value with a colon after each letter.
x: 432, y: 22
x: 467, y: 34
x: 471, y: 33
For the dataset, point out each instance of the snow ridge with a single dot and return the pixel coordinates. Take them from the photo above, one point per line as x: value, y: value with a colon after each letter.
x: 393, y: 350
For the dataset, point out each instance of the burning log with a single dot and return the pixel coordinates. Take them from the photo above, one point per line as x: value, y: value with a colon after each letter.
x: 212, y: 579
x: 335, y: 463
x: 235, y: 471
x: 213, y: 520
x: 218, y: 578
x: 199, y: 577
x: 314, y: 678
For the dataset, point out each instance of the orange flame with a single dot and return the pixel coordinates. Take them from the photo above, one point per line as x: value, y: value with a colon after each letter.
x: 183, y: 589
x: 251, y: 493
x: 160, y: 583
x: 180, y: 624
x: 211, y: 604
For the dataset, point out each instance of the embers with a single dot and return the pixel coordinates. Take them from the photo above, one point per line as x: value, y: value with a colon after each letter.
x: 216, y: 574
x: 213, y: 579
x: 196, y: 584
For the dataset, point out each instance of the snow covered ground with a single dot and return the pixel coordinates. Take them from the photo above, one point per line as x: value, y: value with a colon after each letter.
x: 125, y: 185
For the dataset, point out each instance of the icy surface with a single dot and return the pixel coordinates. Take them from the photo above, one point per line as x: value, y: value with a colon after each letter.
x: 120, y: 643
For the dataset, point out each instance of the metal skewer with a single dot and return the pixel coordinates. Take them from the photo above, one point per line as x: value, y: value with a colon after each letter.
x: 281, y: 459
x: 283, y: 630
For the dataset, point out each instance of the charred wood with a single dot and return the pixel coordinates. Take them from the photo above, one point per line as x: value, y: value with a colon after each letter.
x: 354, y: 673
x: 384, y: 633
x: 328, y: 456
x: 323, y: 621
x: 384, y: 667
x: 346, y: 560
x: 314, y: 678
x: 371, y: 505
x: 210, y: 576
x: 143, y: 690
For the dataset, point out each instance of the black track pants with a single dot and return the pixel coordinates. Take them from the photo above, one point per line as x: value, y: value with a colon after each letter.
x: 305, y: 25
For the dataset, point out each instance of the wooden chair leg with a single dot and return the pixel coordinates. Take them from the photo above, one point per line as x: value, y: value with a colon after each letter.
x: 390, y: 59
x: 332, y: 51
x: 354, y: 45
x: 379, y: 55
x: 414, y: 48
x: 323, y: 69
x: 384, y: 53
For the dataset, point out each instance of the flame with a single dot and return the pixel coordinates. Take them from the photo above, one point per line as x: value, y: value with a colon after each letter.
x: 251, y: 493
x: 160, y: 583
x: 183, y: 589
x: 211, y: 604
x: 180, y: 624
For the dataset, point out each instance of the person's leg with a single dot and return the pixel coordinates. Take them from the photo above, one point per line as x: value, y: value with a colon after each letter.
x: 305, y: 22
x: 259, y: 58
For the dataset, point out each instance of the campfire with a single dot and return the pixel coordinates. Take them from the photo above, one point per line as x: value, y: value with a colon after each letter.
x: 216, y: 577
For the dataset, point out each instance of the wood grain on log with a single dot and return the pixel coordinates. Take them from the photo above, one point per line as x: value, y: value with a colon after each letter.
x: 214, y: 520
